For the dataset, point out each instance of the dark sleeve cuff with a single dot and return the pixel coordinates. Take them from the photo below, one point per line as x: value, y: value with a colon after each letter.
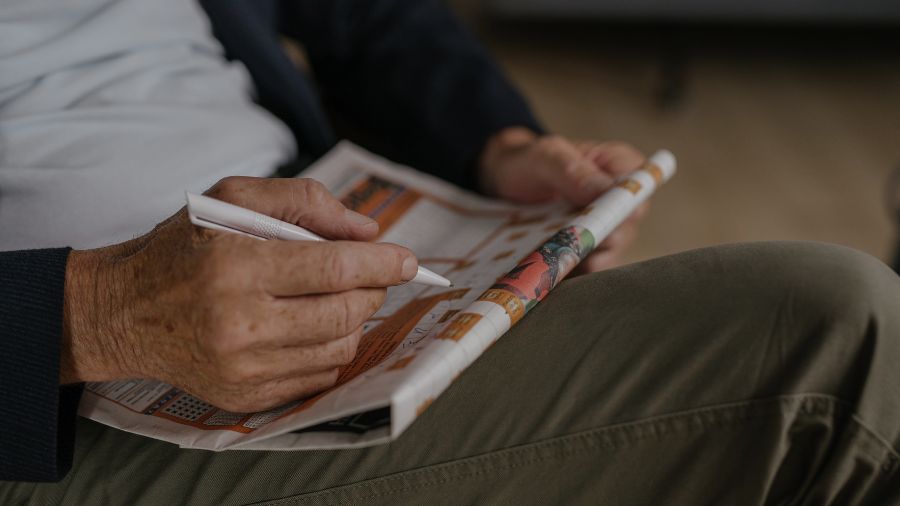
x: 38, y: 416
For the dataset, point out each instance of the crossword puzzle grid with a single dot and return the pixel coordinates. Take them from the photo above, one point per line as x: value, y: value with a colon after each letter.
x: 187, y: 408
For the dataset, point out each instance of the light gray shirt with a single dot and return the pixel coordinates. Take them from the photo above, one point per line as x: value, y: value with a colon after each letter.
x: 110, y: 110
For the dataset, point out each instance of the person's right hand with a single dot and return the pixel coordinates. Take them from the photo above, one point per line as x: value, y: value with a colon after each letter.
x: 241, y: 323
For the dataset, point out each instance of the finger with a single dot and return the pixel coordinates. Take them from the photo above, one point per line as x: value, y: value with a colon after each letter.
x: 300, y: 268
x: 599, y: 261
x: 303, y: 202
x: 284, y: 390
x: 582, y: 182
x: 577, y: 179
x: 585, y: 147
x: 277, y: 392
x: 641, y: 212
x: 616, y: 158
x: 317, y: 318
x: 620, y: 238
x: 285, y: 361
x: 613, y: 239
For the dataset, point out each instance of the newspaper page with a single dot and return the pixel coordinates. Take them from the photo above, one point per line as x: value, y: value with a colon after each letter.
x: 502, y: 259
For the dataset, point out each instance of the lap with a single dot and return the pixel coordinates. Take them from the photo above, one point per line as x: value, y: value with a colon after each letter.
x: 680, y: 375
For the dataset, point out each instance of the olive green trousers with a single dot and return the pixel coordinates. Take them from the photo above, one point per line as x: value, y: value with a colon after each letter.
x: 748, y: 374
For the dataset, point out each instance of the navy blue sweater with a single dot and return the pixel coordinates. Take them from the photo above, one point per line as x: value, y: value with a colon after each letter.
x: 404, y: 71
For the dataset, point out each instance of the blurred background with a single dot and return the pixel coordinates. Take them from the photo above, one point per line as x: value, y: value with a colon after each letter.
x: 785, y: 116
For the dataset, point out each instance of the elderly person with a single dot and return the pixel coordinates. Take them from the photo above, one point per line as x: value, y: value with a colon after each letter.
x: 738, y: 375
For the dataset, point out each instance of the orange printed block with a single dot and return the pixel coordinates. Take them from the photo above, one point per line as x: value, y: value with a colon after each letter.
x: 515, y: 236
x: 449, y: 314
x: 655, y: 172
x: 422, y: 407
x: 508, y: 300
x: 379, y: 342
x: 459, y: 326
x: 400, y: 364
x: 381, y: 200
x: 462, y: 265
x: 631, y: 185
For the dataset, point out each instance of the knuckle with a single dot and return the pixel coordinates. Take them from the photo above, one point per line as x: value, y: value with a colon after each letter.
x: 214, y: 286
x: 344, y: 317
x: 342, y: 267
x: 228, y: 261
x: 311, y: 192
x: 623, y: 148
x: 229, y: 334
x: 335, y: 320
x: 376, y: 298
x: 228, y: 188
x: 576, y: 171
x: 329, y: 379
x: 309, y: 385
x: 349, y: 347
x: 333, y: 377
x: 227, y: 402
x: 361, y: 304
x: 246, y: 403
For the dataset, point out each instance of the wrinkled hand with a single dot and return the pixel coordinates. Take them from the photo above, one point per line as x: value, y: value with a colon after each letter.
x: 241, y: 323
x: 521, y: 166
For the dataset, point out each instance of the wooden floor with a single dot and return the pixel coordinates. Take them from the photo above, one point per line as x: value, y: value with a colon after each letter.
x: 777, y: 136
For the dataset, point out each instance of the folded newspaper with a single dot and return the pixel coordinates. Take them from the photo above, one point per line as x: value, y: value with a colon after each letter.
x: 502, y: 258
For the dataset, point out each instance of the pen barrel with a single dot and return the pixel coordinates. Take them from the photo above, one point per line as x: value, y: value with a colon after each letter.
x: 270, y: 228
x: 265, y: 226
x: 232, y: 216
x: 216, y: 214
x: 244, y: 220
x: 289, y: 232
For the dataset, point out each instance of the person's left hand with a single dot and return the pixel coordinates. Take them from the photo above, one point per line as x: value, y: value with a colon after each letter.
x: 521, y: 166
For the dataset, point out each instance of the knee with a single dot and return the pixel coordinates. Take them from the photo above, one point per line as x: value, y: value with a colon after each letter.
x: 826, y: 318
x: 804, y: 295
x: 835, y: 313
x: 829, y: 281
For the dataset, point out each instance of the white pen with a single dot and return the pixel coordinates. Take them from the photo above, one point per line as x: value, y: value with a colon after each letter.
x: 214, y: 214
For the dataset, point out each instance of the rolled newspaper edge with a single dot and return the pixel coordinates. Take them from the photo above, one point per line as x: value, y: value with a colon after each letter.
x: 471, y: 331
x: 516, y: 293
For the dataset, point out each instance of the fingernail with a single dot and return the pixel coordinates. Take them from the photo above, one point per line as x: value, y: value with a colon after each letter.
x: 359, y: 219
x: 410, y: 268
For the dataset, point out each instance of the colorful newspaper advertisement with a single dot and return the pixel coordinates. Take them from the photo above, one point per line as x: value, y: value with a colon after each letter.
x: 503, y: 259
